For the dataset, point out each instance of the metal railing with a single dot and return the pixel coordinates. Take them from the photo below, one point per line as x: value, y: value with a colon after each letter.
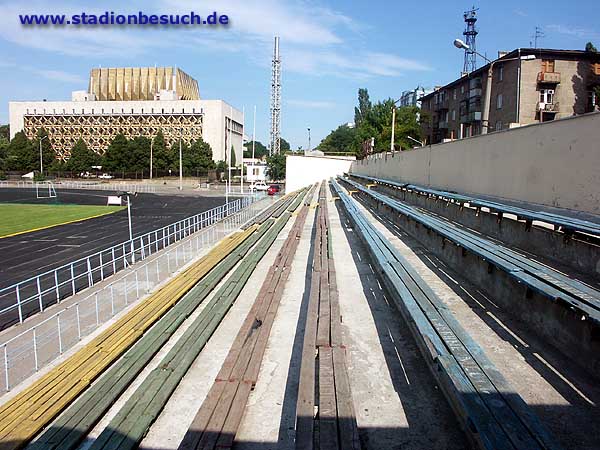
x: 33, y: 295
x: 27, y: 352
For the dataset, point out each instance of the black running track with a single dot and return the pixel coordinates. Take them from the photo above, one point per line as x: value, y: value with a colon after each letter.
x: 26, y: 255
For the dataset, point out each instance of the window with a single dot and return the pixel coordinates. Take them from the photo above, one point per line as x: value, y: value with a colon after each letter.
x: 454, y: 95
x: 596, y: 68
x: 498, y: 126
x: 462, y: 89
x: 500, y: 73
x: 499, y: 101
x: 547, y: 96
x: 547, y: 65
x: 453, y: 114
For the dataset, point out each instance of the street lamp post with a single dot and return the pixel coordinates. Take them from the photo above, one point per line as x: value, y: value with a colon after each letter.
x: 230, y: 146
x: 393, y: 125
x: 309, y: 139
x: 485, y: 122
x: 41, y: 158
x: 414, y: 140
x: 127, y: 195
x: 253, y: 148
x: 151, y: 147
x: 242, y: 167
x: 180, y: 163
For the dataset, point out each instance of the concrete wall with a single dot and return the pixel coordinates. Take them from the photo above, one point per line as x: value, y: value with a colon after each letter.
x: 555, y: 163
x: 302, y: 171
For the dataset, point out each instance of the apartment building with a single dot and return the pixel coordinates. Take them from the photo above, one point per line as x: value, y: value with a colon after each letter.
x: 413, y: 97
x: 528, y: 85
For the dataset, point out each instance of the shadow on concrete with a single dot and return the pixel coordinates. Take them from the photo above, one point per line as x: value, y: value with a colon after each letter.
x: 431, y: 421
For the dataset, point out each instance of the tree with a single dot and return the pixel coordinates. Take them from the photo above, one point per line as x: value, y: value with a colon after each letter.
x: 361, y: 113
x: 232, y: 159
x: 202, y: 155
x: 374, y: 121
x: 5, y: 132
x: 339, y: 140
x: 276, y: 167
x: 21, y: 154
x: 221, y: 168
x: 197, y: 157
x: 284, y: 146
x: 260, y: 150
x: 185, y: 159
x: 4, y: 143
x: 162, y: 157
x: 589, y: 47
x: 82, y: 158
x: 138, y: 154
x: 115, y: 157
x: 407, y: 124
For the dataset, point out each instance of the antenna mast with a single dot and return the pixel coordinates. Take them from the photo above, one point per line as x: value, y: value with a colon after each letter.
x: 537, y: 35
x: 275, y: 101
x: 470, y: 34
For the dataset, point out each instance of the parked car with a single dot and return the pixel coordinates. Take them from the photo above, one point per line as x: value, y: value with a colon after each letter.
x: 105, y: 176
x: 273, y: 189
x: 259, y: 186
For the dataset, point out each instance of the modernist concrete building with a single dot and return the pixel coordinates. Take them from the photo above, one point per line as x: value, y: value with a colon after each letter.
x: 128, y: 101
x: 528, y: 85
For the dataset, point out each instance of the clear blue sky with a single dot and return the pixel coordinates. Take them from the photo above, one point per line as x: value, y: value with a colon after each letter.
x: 329, y: 50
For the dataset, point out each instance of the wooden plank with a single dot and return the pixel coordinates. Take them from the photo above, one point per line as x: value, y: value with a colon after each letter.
x: 328, y: 425
x: 306, y: 386
x: 236, y: 412
x: 211, y: 433
x: 192, y: 437
x: 348, y: 428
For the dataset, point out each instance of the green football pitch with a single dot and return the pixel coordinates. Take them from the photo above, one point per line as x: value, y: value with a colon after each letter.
x: 22, y: 218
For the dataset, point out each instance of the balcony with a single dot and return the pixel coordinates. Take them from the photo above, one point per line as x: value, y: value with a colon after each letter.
x: 471, y: 116
x: 548, y: 107
x: 441, y: 105
x: 474, y: 116
x: 549, y: 77
x: 475, y: 83
x: 475, y: 93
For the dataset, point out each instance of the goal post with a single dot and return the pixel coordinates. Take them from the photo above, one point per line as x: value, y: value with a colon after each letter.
x: 45, y: 189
